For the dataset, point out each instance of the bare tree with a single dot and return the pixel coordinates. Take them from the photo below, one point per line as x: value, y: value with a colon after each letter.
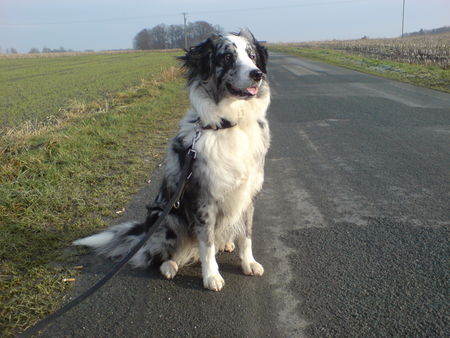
x: 143, y: 40
x: 163, y: 36
x: 160, y: 36
x: 175, y: 36
x: 34, y: 51
x: 201, y: 30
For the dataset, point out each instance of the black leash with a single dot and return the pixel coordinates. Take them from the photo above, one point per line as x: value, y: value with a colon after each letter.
x: 186, y: 171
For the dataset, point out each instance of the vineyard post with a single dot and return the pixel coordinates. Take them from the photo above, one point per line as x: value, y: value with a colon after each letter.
x: 185, y: 30
x: 403, y: 17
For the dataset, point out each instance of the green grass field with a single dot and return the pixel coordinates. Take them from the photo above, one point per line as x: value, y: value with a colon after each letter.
x: 33, y: 89
x: 421, y: 75
x: 65, y: 180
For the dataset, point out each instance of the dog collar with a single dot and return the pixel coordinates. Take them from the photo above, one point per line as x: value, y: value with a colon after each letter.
x: 224, y: 124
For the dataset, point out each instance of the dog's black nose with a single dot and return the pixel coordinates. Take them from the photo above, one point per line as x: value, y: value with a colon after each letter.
x: 256, y: 74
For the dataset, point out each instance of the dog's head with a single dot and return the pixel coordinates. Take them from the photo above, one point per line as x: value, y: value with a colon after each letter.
x: 232, y: 65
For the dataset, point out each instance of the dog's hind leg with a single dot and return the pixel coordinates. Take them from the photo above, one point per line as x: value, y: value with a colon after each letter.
x: 169, y: 269
x: 248, y: 263
x: 229, y: 247
x: 160, y: 247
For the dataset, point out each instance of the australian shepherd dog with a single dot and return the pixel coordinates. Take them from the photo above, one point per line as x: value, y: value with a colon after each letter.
x: 229, y: 95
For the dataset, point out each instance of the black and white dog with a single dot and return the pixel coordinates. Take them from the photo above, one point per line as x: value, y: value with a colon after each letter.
x: 229, y: 96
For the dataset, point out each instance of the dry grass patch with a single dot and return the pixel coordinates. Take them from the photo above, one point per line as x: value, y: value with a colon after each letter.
x: 435, y: 77
x: 426, y: 50
x: 62, y: 179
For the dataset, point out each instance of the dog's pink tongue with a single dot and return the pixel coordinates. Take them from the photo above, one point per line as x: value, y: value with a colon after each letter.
x: 252, y: 90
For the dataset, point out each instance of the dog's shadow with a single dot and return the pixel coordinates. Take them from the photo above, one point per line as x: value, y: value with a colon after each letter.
x: 188, y: 277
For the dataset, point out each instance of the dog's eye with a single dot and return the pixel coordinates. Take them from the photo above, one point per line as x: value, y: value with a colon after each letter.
x: 252, y: 56
x: 227, y: 57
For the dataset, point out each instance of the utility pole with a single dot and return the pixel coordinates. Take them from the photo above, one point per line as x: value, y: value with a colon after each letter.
x: 185, y: 30
x: 403, y: 17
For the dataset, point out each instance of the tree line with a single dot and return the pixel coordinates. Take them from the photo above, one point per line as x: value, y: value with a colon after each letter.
x: 173, y: 36
x: 49, y: 50
x: 444, y: 29
x: 43, y: 50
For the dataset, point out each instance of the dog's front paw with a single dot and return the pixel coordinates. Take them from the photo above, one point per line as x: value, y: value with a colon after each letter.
x: 252, y: 268
x: 169, y: 269
x: 213, y: 282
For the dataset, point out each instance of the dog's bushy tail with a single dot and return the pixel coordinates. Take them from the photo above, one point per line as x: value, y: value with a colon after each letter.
x: 117, y: 241
x: 96, y: 241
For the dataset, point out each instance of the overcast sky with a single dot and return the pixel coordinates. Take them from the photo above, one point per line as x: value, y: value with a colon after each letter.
x: 112, y: 24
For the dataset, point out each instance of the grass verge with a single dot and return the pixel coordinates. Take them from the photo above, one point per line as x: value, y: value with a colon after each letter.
x: 63, y: 181
x: 420, y: 75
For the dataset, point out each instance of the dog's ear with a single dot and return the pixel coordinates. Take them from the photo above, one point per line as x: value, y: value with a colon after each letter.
x: 245, y: 33
x: 197, y: 60
x: 261, y: 51
x: 261, y: 57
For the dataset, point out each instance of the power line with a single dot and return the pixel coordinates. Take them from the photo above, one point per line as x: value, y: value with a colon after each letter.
x: 92, y: 21
x: 311, y: 4
x: 163, y: 15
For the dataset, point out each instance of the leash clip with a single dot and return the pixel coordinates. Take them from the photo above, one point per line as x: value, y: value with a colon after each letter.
x: 197, y: 135
x: 192, y: 152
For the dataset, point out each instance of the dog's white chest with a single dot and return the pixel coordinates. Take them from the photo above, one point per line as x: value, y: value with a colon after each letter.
x: 233, y: 161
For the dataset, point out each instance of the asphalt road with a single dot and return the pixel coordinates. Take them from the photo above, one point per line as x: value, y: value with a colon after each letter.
x: 351, y: 226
